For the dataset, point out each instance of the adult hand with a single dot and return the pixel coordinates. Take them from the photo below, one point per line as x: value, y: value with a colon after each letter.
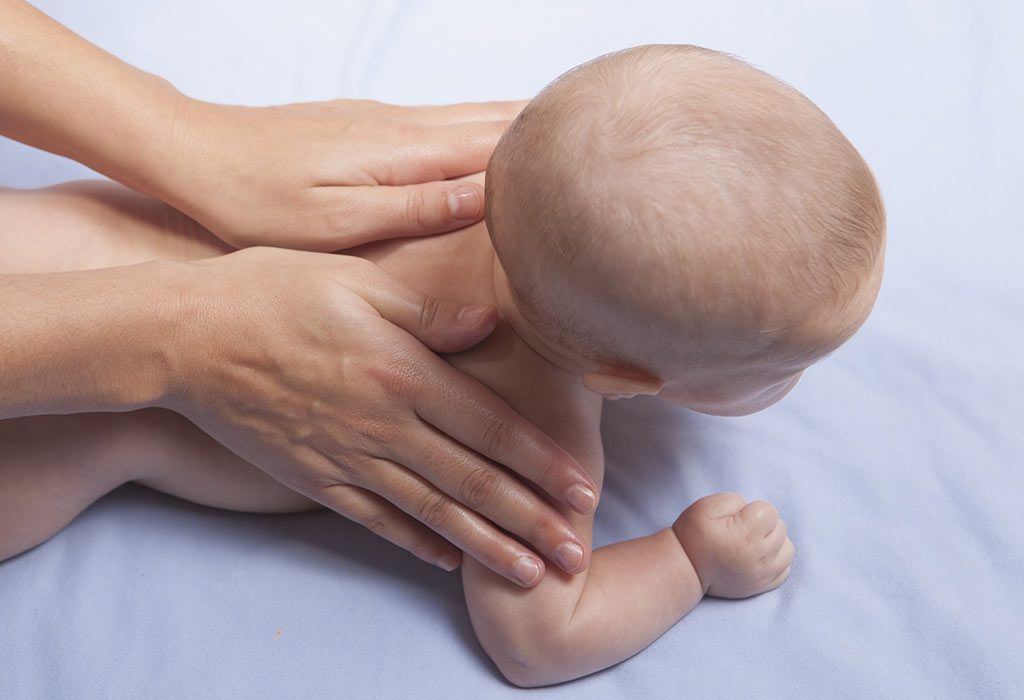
x: 323, y: 176
x: 330, y: 175
x: 299, y: 363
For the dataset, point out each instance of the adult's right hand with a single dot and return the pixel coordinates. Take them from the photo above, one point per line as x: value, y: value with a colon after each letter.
x: 311, y: 367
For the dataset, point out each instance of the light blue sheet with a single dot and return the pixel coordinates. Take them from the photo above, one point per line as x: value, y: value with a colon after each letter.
x: 897, y: 463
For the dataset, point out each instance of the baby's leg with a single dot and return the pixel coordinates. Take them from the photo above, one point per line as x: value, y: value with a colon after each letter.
x: 53, y: 467
x: 94, y: 224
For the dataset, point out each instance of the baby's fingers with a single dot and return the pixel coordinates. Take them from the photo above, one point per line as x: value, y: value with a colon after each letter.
x: 785, y: 556
x: 776, y: 538
x: 760, y: 516
x: 782, y: 563
x: 777, y: 581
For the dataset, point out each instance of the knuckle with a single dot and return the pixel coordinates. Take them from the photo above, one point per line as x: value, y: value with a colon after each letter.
x: 339, y: 217
x: 478, y: 487
x: 498, y: 436
x: 767, y: 511
x: 376, y: 523
x: 408, y: 131
x: 430, y: 313
x: 418, y: 214
x: 435, y: 511
x: 395, y: 379
x: 537, y: 531
x: 361, y: 269
x: 554, y: 471
x: 377, y: 429
x: 349, y: 466
x: 421, y: 551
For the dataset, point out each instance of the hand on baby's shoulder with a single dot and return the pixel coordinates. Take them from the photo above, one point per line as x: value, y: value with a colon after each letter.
x: 738, y: 549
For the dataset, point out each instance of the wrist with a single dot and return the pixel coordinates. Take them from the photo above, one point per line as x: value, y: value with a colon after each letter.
x: 688, y: 550
x: 96, y: 340
x: 190, y: 308
x: 166, y: 126
x: 160, y: 320
x: 193, y: 159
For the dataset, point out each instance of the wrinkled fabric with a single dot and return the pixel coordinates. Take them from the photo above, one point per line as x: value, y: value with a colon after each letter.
x: 896, y: 463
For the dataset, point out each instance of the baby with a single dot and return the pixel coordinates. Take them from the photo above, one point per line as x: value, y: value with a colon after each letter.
x: 664, y: 220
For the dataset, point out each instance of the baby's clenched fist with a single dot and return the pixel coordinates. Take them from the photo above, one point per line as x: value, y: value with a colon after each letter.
x: 738, y: 549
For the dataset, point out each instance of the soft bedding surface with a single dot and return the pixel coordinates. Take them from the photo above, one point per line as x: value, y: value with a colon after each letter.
x: 897, y: 462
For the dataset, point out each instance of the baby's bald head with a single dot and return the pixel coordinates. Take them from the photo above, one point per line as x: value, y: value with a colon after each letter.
x: 671, y: 211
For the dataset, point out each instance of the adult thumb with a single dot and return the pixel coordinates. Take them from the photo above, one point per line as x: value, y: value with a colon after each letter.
x: 440, y: 324
x: 445, y: 326
x: 378, y: 212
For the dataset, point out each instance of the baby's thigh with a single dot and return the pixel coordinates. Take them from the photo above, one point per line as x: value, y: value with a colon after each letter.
x: 94, y: 224
x: 172, y: 455
x: 53, y: 467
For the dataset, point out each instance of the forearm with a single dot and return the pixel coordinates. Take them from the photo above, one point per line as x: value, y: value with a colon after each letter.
x: 60, y: 93
x: 635, y: 592
x: 99, y: 340
x: 568, y: 627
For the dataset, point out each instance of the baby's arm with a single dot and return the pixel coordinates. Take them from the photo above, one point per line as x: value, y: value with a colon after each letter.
x: 567, y: 627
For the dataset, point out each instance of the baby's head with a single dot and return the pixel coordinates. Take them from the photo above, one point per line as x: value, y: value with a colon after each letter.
x: 669, y: 220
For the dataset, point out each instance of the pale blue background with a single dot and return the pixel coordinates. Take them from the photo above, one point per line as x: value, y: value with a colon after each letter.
x: 897, y: 463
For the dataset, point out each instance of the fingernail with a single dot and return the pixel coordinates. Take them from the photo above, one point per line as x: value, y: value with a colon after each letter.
x: 464, y: 204
x: 526, y: 570
x: 569, y: 555
x: 581, y: 499
x: 469, y: 316
x: 448, y: 562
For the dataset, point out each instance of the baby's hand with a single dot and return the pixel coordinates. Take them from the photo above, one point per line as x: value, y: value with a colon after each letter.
x: 739, y: 549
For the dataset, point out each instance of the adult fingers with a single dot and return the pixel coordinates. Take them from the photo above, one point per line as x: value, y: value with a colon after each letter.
x: 353, y: 215
x: 476, y: 417
x: 462, y: 149
x: 505, y: 110
x: 463, y: 408
x: 385, y: 520
x: 495, y: 494
x: 441, y: 325
x: 439, y: 152
x: 459, y: 525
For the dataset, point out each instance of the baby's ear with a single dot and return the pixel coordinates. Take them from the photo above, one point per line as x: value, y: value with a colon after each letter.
x: 613, y: 384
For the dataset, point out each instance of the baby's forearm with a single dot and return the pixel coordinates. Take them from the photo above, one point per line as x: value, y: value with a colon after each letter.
x: 634, y: 593
x: 568, y: 627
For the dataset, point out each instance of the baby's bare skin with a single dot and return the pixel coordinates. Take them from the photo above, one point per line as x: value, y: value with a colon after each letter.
x: 565, y: 627
x: 56, y: 466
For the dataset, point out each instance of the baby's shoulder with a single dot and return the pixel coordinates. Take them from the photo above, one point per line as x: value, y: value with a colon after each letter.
x: 548, y: 396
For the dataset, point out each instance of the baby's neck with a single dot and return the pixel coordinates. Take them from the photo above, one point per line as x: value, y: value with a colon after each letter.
x: 453, y: 266
x: 461, y: 267
x: 550, y: 351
